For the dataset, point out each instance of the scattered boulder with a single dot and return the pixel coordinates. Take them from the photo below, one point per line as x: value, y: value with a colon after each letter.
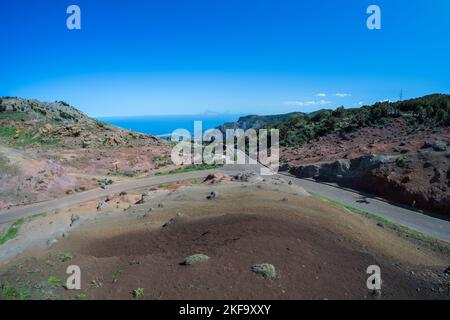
x: 85, y: 143
x: 74, y: 218
x: 406, y: 179
x: 427, y: 164
x: 102, y: 205
x: 427, y: 144
x: 247, y: 177
x: 265, y: 270
x: 439, y: 146
x: 51, y: 242
x: 342, y: 168
x: 214, y: 178
x: 307, y: 171
x: 168, y: 223
x: 194, y: 259
x: 144, y: 198
x: 212, y: 195
x: 438, y: 174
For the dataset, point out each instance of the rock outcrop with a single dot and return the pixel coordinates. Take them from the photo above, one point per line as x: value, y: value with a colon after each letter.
x: 342, y: 168
x: 420, y: 180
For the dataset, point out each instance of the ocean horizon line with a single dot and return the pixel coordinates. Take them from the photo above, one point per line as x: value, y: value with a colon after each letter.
x: 165, y: 125
x: 170, y: 115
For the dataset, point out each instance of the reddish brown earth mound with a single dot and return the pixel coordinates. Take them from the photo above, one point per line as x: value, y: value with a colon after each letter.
x: 49, y: 150
x: 420, y: 178
x: 311, y: 263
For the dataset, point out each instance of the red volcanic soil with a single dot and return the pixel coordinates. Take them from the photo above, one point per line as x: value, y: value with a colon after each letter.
x: 311, y: 263
x: 420, y: 179
x: 319, y: 251
x: 396, y: 137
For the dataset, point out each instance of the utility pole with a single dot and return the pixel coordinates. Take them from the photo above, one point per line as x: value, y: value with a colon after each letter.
x: 401, y: 94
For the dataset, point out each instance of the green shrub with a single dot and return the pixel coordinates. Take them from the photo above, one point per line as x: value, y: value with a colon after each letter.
x: 265, y: 270
x: 53, y: 281
x: 196, y: 258
x: 138, y: 293
x: 433, y: 110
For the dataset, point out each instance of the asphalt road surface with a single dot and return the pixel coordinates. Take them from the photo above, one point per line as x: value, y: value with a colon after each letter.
x: 410, y: 218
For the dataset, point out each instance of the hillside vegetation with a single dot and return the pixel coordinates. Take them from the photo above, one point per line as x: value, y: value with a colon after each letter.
x: 51, y: 149
x: 32, y: 123
x: 395, y: 150
x: 255, y: 121
x: 432, y: 110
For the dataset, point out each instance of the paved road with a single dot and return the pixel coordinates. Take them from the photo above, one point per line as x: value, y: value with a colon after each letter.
x: 416, y: 220
x: 19, y: 212
x: 410, y: 218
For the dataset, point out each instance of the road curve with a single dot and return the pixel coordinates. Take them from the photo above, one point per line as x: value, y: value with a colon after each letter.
x: 15, y: 213
x: 437, y: 228
x: 432, y: 226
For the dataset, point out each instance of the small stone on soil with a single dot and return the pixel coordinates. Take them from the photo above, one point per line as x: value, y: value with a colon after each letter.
x: 212, y: 195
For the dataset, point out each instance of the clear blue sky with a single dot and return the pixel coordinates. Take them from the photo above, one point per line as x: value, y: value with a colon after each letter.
x: 240, y: 56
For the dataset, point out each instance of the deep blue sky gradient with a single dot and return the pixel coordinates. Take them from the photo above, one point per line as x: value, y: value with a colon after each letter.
x: 141, y: 57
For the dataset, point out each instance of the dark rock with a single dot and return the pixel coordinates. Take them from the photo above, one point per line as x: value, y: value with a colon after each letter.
x: 427, y: 165
x: 406, y: 179
x: 212, y: 195
x: 439, y: 146
x: 74, y: 218
x: 102, y: 205
x: 308, y: 171
x: 447, y: 271
x: 438, y: 174
x: 427, y: 144
x: 342, y: 168
x: 247, y: 176
x: 144, y: 198
x: 168, y: 223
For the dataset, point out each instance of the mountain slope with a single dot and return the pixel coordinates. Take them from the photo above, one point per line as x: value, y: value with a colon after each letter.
x: 48, y: 150
x: 415, y: 132
x: 255, y: 121
x: 428, y: 111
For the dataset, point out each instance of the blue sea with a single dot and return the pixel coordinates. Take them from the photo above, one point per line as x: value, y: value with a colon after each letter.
x: 165, y: 125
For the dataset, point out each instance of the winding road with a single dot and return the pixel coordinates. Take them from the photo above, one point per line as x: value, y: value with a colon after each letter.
x: 410, y: 218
